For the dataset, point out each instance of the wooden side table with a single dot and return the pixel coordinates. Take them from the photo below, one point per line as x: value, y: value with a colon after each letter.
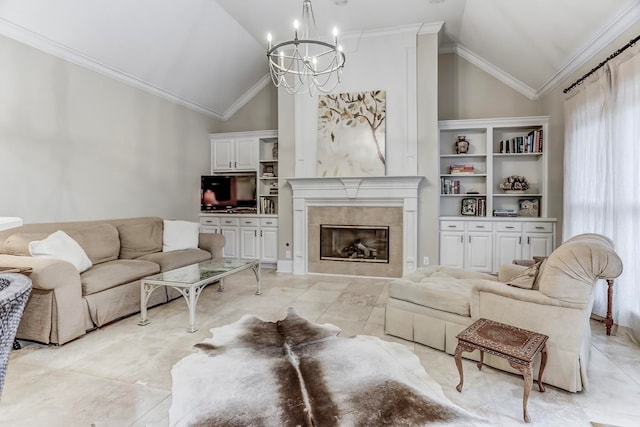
x: 518, y: 346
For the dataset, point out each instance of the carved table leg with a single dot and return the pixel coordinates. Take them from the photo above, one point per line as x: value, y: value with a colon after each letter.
x: 608, y: 322
x: 481, y: 360
x: 458, y: 356
x: 527, y: 373
x: 543, y: 363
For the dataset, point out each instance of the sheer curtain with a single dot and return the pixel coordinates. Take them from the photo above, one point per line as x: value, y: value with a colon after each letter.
x: 602, y: 174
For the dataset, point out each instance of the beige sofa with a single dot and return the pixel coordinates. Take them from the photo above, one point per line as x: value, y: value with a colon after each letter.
x: 64, y: 303
x: 432, y: 305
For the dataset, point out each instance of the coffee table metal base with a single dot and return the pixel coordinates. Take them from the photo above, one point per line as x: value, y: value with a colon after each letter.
x: 190, y: 291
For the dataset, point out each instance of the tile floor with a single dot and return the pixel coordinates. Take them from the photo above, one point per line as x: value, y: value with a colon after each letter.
x: 120, y: 375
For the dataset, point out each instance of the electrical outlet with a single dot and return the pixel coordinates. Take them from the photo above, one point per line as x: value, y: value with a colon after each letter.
x: 287, y: 254
x: 425, y: 260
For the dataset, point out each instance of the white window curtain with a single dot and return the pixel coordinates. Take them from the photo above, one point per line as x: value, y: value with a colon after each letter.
x: 602, y: 174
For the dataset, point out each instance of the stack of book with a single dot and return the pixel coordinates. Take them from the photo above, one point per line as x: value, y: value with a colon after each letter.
x: 505, y: 212
x: 449, y: 186
x: 461, y: 169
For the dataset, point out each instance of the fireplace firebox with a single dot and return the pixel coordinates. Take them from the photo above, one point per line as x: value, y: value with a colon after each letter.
x: 354, y: 243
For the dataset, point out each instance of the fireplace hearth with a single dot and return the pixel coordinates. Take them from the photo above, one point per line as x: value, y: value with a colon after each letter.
x: 354, y: 243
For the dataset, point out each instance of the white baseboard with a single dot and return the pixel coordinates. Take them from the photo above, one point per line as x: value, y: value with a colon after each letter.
x: 285, y: 266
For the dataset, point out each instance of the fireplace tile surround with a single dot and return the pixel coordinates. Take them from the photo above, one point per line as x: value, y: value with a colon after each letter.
x: 387, y: 200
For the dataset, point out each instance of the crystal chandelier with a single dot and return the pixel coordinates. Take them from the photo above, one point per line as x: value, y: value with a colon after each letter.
x: 303, y: 65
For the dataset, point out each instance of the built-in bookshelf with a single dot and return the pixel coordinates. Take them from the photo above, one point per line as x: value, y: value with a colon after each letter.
x: 497, y: 149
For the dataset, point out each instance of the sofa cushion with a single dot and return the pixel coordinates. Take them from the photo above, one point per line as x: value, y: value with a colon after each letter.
x: 61, y: 246
x: 140, y: 238
x: 176, y: 259
x: 445, y: 294
x: 114, y: 273
x: 101, y: 242
x: 18, y: 243
x: 178, y: 235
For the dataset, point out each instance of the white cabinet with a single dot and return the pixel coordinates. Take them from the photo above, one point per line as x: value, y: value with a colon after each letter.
x: 466, y: 245
x: 452, y: 249
x: 235, y: 153
x: 269, y: 243
x: 246, y: 236
x: 484, y: 245
x: 249, y: 238
x: 523, y: 240
x: 230, y: 229
x: 209, y: 224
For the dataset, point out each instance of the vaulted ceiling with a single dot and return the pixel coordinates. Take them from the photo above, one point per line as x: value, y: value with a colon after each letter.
x: 209, y: 55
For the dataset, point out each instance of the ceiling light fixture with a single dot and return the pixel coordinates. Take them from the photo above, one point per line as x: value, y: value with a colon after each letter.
x: 303, y: 65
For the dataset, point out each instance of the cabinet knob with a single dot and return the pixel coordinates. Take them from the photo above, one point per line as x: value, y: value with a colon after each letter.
x: 520, y: 240
x: 509, y: 227
x: 528, y: 240
x: 539, y: 227
x: 451, y: 226
x: 229, y: 164
x: 479, y: 226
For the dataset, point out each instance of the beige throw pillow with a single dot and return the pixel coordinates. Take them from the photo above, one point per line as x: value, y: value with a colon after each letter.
x: 526, y: 279
x: 61, y: 246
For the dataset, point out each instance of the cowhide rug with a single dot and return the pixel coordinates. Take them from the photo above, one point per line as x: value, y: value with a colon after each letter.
x: 296, y: 373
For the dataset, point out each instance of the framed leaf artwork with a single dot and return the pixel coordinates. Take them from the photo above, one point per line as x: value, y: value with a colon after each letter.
x: 351, y: 134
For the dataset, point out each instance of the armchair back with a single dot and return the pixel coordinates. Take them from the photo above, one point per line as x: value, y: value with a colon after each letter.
x: 575, y: 266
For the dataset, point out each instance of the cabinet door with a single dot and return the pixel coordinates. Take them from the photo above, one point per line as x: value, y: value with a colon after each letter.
x: 249, y: 243
x: 246, y: 153
x: 222, y: 152
x: 269, y: 244
x: 479, y: 252
x: 212, y: 229
x: 231, y: 238
x: 508, y: 247
x: 537, y: 244
x: 452, y: 249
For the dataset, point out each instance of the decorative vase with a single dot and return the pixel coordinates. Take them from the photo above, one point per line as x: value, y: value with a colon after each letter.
x: 462, y: 145
x: 274, y: 151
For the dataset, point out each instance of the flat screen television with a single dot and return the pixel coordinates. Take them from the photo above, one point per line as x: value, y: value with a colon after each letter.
x: 228, y: 193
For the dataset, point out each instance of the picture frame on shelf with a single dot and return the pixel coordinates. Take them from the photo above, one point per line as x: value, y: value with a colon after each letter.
x: 469, y: 206
x: 529, y: 207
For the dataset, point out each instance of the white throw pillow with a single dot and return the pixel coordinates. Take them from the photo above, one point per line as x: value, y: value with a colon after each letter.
x: 61, y: 246
x: 178, y: 235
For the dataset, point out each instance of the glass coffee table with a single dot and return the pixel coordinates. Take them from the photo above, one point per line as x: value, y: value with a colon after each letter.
x: 191, y: 280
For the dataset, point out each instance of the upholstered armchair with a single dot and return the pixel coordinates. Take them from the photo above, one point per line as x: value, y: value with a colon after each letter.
x: 432, y: 305
x: 14, y: 292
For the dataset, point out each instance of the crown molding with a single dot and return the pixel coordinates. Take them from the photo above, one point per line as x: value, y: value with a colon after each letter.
x: 246, y: 97
x: 491, y: 69
x: 45, y: 44
x: 607, y: 36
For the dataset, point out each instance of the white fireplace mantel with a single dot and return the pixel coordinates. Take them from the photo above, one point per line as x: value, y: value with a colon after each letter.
x: 384, y: 191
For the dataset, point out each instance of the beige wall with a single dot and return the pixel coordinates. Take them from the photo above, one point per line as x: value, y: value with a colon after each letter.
x: 260, y: 113
x: 76, y: 145
x: 467, y: 92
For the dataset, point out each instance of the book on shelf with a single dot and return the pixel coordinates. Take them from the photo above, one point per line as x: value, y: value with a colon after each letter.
x: 531, y: 143
x: 505, y: 212
x: 449, y: 186
x: 267, y: 205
